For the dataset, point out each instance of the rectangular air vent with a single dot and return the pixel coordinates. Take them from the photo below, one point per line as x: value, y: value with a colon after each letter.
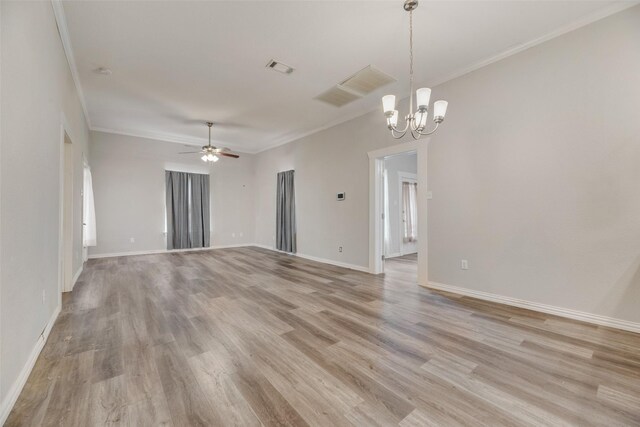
x: 358, y: 85
x: 338, y: 96
x: 279, y: 67
x: 367, y: 80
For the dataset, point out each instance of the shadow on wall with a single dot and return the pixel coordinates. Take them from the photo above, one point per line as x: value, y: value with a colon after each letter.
x: 624, y: 295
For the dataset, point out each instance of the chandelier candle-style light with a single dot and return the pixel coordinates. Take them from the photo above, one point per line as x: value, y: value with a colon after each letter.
x: 416, y: 122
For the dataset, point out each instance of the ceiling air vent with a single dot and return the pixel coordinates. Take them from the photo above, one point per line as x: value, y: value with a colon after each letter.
x: 358, y: 85
x: 367, y: 80
x: 279, y: 67
x: 338, y: 96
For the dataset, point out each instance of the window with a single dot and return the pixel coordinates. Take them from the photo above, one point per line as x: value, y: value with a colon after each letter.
x: 410, y: 211
x: 188, y: 221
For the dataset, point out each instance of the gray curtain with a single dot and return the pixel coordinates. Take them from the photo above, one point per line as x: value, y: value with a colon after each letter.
x: 199, y: 210
x: 187, y: 210
x: 286, y: 213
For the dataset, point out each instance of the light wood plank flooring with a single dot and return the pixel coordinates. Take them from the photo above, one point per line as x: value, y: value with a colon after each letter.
x: 252, y: 337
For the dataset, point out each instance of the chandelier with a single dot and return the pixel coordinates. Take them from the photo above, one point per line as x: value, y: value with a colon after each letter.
x: 416, y: 122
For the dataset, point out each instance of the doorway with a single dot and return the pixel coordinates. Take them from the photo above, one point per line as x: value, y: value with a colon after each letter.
x: 400, y: 209
x: 401, y: 215
x: 377, y: 208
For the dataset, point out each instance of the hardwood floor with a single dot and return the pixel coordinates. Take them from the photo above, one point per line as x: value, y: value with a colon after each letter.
x: 402, y: 268
x: 252, y: 337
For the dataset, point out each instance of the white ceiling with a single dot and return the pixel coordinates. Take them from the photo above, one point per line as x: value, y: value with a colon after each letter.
x: 178, y: 64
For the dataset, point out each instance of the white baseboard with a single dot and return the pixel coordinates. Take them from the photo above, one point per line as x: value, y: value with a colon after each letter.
x: 544, y: 308
x: 336, y: 263
x: 317, y: 259
x: 16, y: 388
x: 166, y: 251
x: 76, y: 277
x: 393, y: 255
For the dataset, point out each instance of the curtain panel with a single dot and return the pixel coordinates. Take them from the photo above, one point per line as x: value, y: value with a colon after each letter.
x: 200, y: 222
x: 187, y: 197
x: 410, y: 208
x: 88, y: 211
x: 286, y: 212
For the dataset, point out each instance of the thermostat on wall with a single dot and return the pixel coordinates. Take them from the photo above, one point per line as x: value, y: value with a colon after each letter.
x: 341, y: 196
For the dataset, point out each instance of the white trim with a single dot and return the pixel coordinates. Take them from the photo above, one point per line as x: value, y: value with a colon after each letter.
x: 581, y: 22
x: 18, y: 384
x: 166, y: 251
x: 241, y: 245
x: 316, y: 259
x: 407, y: 176
x: 76, y: 277
x: 614, y: 8
x: 376, y: 208
x: 63, y: 31
x: 176, y: 139
x: 393, y: 255
x: 543, y: 308
x: 336, y: 263
x: 64, y: 130
x: 376, y: 212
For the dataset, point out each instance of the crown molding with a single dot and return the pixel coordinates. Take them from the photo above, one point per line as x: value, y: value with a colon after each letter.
x: 167, y: 137
x: 614, y: 8
x: 63, y: 31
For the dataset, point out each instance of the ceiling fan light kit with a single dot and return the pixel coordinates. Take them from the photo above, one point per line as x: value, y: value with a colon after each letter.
x: 416, y: 123
x: 210, y: 158
x: 211, y: 153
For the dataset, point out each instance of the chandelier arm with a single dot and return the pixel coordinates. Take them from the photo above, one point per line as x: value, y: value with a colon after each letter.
x: 431, y: 131
x: 394, y: 128
x: 399, y: 134
x: 415, y: 134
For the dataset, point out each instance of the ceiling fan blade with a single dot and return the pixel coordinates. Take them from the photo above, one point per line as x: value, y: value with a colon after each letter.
x: 235, y: 156
x: 191, y: 152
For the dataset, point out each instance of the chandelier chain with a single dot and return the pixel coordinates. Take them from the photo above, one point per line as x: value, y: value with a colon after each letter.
x: 411, y: 59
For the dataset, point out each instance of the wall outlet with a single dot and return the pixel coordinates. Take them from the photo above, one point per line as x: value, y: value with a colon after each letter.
x: 233, y: 234
x: 339, y: 248
x: 241, y: 234
x: 132, y: 239
x: 464, y: 264
x: 429, y: 195
x: 44, y: 296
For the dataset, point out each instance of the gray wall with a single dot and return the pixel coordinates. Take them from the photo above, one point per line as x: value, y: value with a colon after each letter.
x: 129, y: 192
x: 37, y: 88
x: 534, y: 176
x: 326, y: 163
x: 394, y: 164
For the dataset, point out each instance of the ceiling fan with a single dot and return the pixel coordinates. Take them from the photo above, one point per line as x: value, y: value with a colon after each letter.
x: 211, y: 153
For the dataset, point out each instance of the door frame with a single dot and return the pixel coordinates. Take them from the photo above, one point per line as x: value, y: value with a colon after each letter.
x: 376, y: 205
x: 64, y: 131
